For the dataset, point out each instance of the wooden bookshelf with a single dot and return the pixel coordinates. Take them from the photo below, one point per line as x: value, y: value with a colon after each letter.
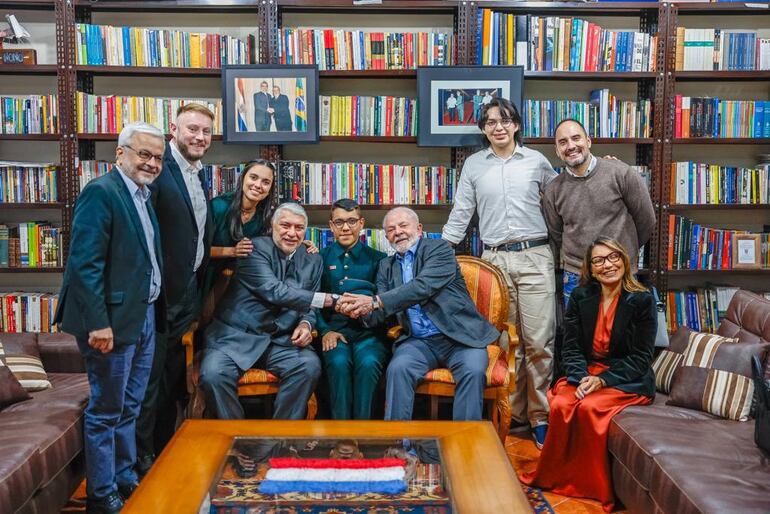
x: 574, y: 8
x: 148, y: 71
x: 46, y: 5
x: 31, y: 206
x: 32, y: 270
x: 386, y: 7
x: 191, y: 6
x: 371, y: 139
x: 715, y: 272
x: 364, y: 74
x: 726, y: 75
x: 591, y: 75
x: 721, y: 141
x: 677, y: 207
x: 22, y: 69
x: 30, y: 137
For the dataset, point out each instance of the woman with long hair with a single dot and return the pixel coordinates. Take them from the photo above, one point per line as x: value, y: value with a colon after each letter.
x: 609, y: 336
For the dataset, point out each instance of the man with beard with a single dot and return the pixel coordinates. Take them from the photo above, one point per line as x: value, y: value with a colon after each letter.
x: 111, y: 302
x: 594, y: 197
x: 185, y: 230
x: 422, y: 286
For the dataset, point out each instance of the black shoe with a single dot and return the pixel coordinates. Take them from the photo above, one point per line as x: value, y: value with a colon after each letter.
x: 110, y: 504
x: 143, y: 464
x: 127, y: 490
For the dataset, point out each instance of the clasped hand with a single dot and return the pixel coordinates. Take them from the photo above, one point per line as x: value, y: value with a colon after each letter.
x: 355, y: 305
x: 588, y: 385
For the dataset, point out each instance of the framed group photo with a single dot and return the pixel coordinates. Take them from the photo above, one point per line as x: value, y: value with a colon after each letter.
x: 451, y: 98
x: 270, y: 104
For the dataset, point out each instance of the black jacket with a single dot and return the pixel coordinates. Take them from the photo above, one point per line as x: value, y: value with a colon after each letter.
x: 631, y: 342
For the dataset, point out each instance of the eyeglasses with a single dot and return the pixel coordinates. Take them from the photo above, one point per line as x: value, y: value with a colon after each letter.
x: 492, y: 124
x: 144, y: 155
x: 599, y: 260
x: 350, y: 222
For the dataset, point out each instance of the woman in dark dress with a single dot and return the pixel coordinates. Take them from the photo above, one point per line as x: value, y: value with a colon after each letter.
x: 609, y: 336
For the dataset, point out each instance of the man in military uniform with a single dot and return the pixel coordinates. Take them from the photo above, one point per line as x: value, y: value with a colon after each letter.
x: 354, y: 356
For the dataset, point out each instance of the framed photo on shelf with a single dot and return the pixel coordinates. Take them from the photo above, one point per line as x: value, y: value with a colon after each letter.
x: 270, y: 104
x: 746, y: 254
x: 450, y: 100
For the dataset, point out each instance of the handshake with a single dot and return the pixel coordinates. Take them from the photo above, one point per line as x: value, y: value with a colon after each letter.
x: 353, y: 305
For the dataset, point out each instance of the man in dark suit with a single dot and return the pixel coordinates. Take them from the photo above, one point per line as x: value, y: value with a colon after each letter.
x: 185, y: 228
x: 423, y: 287
x: 261, y: 106
x: 111, y: 302
x: 279, y: 105
x: 265, y: 319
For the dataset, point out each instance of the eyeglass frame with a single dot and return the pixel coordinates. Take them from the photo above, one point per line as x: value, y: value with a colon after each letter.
x: 158, y: 158
x: 350, y: 222
x: 503, y: 122
x: 612, y: 257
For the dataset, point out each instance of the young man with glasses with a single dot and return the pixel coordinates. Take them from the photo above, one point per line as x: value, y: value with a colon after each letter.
x: 354, y: 356
x: 503, y: 183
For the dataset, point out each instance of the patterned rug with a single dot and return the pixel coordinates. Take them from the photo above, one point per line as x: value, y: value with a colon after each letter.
x: 537, y: 501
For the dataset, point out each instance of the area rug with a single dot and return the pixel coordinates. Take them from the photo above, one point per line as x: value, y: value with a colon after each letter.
x: 537, y: 501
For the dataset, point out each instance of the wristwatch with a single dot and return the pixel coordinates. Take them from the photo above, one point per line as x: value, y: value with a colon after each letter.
x: 375, y: 303
x: 335, y: 297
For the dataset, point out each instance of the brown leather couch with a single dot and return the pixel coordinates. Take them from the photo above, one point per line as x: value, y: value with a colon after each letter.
x: 41, y: 439
x: 675, y: 460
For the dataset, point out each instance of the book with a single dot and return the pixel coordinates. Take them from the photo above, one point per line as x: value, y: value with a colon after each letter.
x: 24, y: 182
x: 29, y: 114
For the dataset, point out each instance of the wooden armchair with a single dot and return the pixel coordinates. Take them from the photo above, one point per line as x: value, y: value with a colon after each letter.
x: 489, y: 292
x: 255, y: 382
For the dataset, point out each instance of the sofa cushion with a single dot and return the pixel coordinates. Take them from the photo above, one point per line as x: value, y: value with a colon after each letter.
x: 19, y: 470
x: 10, y: 389
x: 748, y: 319
x: 26, y: 365
x: 60, y: 353
x: 669, y: 360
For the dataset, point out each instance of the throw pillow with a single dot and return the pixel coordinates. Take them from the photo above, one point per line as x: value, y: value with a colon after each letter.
x: 10, y: 389
x: 27, y: 368
x: 669, y: 360
x: 715, y: 376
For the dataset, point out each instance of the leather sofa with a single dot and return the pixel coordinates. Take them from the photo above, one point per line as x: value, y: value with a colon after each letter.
x: 674, y: 460
x: 41, y: 439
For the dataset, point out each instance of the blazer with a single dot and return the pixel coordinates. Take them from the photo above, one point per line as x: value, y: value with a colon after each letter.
x: 439, y: 287
x: 264, y: 303
x: 631, y: 342
x: 107, y: 280
x: 179, y: 230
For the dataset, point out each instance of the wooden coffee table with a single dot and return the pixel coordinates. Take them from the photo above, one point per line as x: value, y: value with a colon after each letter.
x: 479, y: 476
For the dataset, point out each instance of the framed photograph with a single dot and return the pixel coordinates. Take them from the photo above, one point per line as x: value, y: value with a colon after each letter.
x: 450, y: 100
x: 746, y: 251
x: 268, y: 104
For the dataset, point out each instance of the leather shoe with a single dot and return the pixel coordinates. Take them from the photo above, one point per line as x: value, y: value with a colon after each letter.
x: 127, y: 490
x: 143, y: 464
x: 110, y: 504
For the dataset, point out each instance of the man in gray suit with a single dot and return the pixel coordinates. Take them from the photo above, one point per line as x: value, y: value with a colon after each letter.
x: 265, y: 319
x: 422, y: 286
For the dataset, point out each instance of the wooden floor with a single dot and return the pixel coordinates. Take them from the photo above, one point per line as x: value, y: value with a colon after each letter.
x: 521, y: 450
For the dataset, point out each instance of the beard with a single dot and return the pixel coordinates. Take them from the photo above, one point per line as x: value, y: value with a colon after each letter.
x: 403, y: 246
x: 578, y: 160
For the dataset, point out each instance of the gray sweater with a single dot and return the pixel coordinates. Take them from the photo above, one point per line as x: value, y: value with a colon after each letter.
x: 611, y: 201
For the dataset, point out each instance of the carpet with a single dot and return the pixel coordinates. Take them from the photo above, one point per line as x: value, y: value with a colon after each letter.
x: 537, y: 501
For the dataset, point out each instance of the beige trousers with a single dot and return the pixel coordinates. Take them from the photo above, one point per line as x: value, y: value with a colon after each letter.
x: 532, y: 286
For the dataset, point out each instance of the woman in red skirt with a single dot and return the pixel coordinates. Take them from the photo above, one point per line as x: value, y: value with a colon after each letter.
x: 609, y: 336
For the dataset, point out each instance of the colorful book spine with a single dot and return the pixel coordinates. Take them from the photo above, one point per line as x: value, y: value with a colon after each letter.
x: 709, y: 117
x: 28, y: 312
x: 22, y: 182
x: 722, y: 49
x: 699, y: 183
x: 368, y: 116
x: 33, y: 245
x: 29, y: 114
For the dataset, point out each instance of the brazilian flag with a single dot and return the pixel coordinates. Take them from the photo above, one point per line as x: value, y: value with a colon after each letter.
x: 300, y: 113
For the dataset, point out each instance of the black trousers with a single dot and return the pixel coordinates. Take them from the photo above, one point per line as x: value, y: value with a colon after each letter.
x: 157, y: 420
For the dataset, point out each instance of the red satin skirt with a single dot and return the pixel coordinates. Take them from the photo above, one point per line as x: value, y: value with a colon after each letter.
x: 574, y: 460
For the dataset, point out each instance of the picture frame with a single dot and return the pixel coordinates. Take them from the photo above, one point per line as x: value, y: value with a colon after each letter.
x: 746, y: 251
x: 270, y: 104
x: 445, y: 121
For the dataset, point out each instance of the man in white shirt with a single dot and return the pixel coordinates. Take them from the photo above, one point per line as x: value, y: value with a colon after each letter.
x: 504, y: 183
x: 185, y: 230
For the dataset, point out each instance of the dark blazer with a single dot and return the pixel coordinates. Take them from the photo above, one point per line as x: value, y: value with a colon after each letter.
x: 261, y: 116
x: 439, y: 287
x: 178, y: 228
x: 281, y: 113
x: 107, y: 280
x: 264, y: 303
x: 631, y: 342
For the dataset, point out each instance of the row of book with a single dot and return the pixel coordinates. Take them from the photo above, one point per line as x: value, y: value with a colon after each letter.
x: 321, y: 183
x: 29, y: 114
x: 553, y: 43
x: 700, y: 309
x: 106, y: 45
x: 373, y: 237
x: 28, y: 312
x: 368, y: 116
x: 25, y: 182
x: 31, y: 245
x: 604, y: 115
x: 721, y: 49
x: 338, y: 49
x: 699, y: 183
x: 692, y: 246
x: 713, y: 117
x: 97, y: 114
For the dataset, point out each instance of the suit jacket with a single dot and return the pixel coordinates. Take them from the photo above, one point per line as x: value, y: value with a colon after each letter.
x: 107, y: 280
x: 261, y: 116
x: 264, y: 302
x: 631, y: 342
x: 281, y: 115
x: 178, y: 228
x: 439, y: 287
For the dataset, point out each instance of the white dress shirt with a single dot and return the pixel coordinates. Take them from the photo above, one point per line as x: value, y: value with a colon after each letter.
x: 197, y: 197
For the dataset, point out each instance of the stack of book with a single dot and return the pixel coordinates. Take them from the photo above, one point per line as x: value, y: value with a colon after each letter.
x: 604, y: 115
x: 29, y: 114
x: 698, y: 183
x: 87, y: 170
x: 28, y: 312
x: 700, y: 309
x: 26, y: 182
x: 369, y: 184
x: 712, y: 117
x: 338, y: 49
x: 552, y: 43
x: 108, y: 114
x: 368, y: 116
x: 30, y: 245
x: 721, y: 49
x: 373, y: 237
x: 105, y: 45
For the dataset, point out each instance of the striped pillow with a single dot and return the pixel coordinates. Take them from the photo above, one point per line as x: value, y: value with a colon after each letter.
x: 669, y: 360
x: 28, y: 370
x: 715, y: 376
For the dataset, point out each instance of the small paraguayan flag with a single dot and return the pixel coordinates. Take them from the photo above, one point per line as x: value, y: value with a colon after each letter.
x: 300, y: 115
